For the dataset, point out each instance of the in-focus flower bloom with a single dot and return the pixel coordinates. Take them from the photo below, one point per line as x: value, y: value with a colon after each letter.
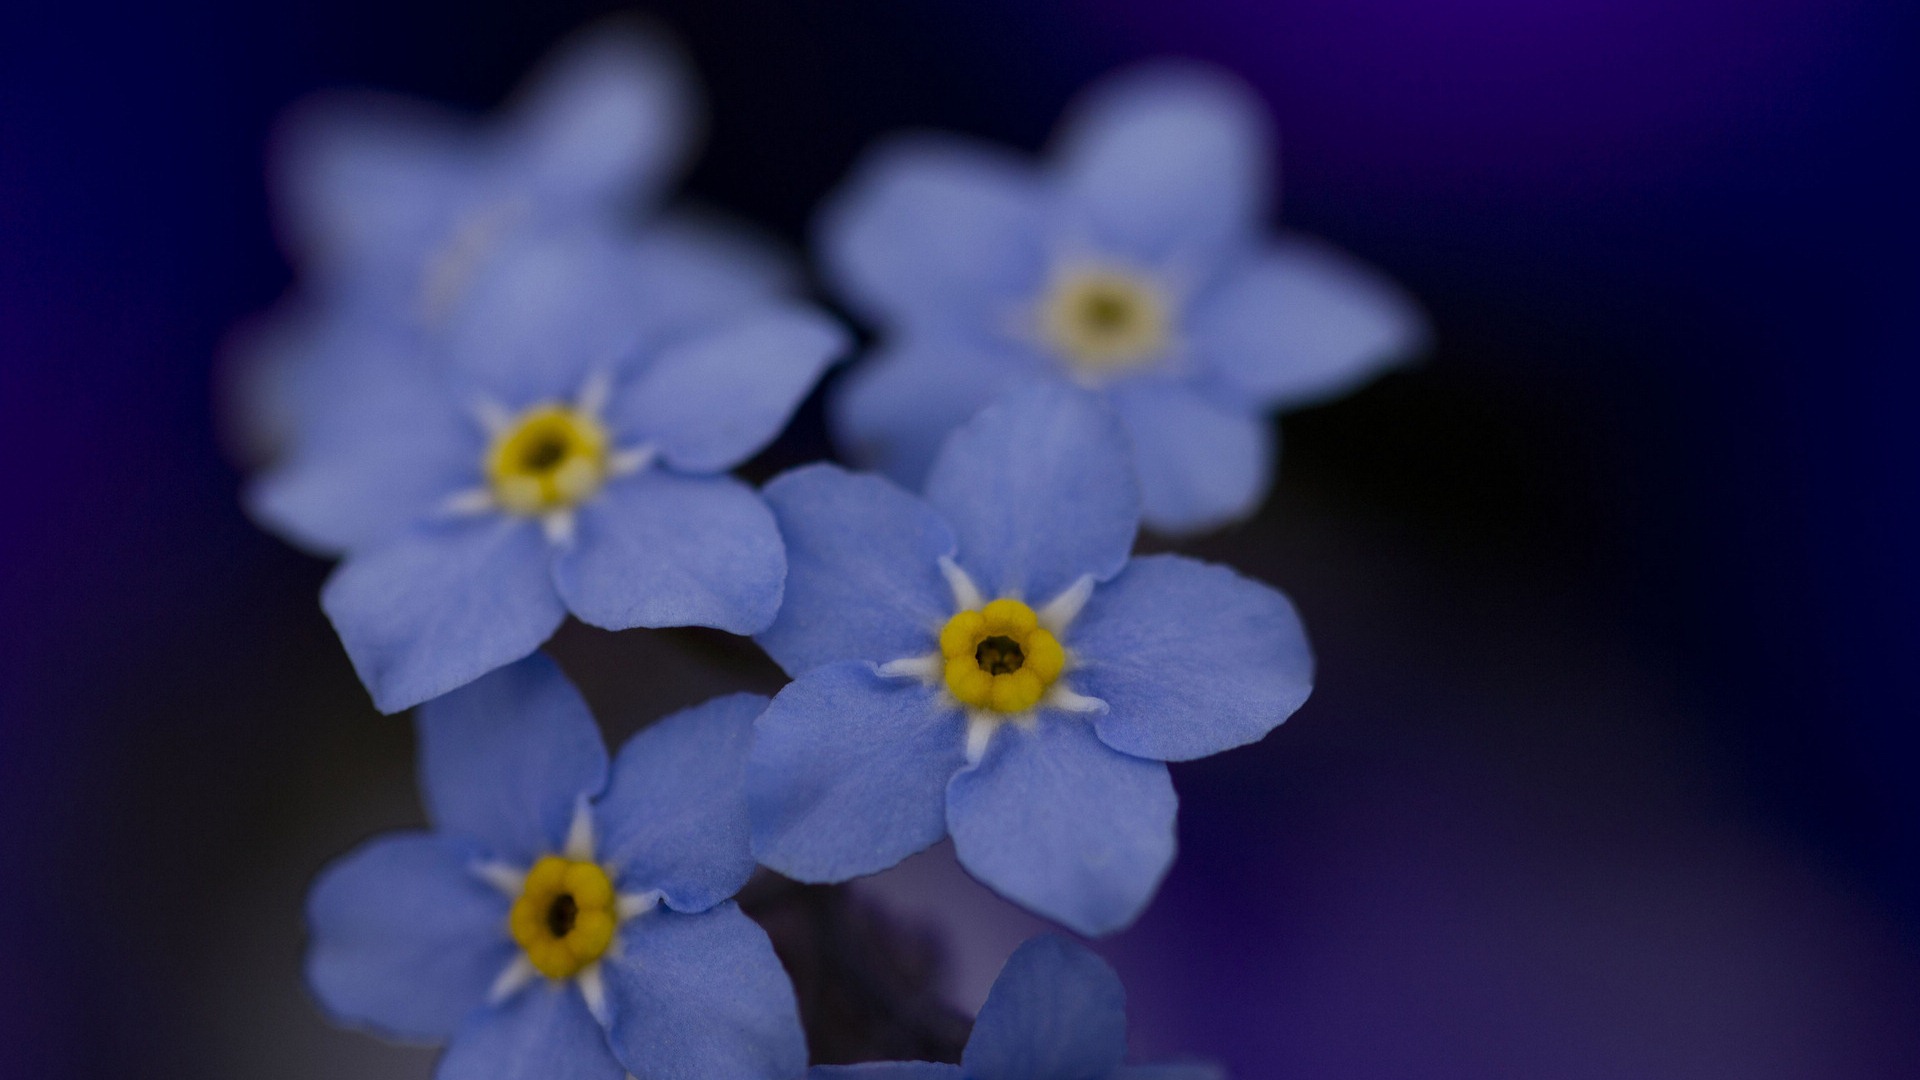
x: 565, y: 448
x: 562, y: 919
x: 1057, y: 1012
x: 989, y: 663
x: 1133, y: 263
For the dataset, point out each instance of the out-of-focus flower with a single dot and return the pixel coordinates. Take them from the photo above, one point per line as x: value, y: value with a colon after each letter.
x: 1057, y: 1012
x: 565, y: 449
x: 1132, y: 263
x: 990, y: 663
x: 562, y: 918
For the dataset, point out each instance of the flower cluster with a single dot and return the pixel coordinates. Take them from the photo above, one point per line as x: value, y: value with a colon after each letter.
x: 510, y: 388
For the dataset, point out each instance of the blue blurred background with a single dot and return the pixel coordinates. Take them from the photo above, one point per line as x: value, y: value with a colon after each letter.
x: 1612, y: 768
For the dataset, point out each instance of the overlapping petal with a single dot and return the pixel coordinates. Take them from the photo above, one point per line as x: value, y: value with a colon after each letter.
x: 1062, y: 824
x: 887, y: 1070
x: 405, y: 940
x: 1056, y: 1012
x: 847, y: 773
x: 661, y: 549
x: 930, y: 228
x: 674, y: 816
x: 1191, y: 658
x: 712, y: 401
x: 542, y: 1033
x: 893, y: 412
x: 863, y: 577
x: 1303, y: 323
x: 701, y: 997
x: 508, y: 758
x: 1202, y: 463
x: 1040, y: 491
x: 442, y: 604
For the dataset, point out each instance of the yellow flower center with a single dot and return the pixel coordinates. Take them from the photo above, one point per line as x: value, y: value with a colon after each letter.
x: 565, y: 916
x: 1105, y: 319
x: 999, y: 658
x: 548, y: 458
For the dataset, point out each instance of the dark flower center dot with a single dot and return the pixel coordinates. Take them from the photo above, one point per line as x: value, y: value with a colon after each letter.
x: 1106, y: 312
x: 561, y: 915
x: 544, y: 452
x: 999, y: 655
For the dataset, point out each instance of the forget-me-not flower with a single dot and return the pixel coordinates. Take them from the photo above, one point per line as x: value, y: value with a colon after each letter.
x: 1057, y: 1012
x: 563, y: 918
x: 565, y: 448
x: 990, y: 663
x: 1133, y: 262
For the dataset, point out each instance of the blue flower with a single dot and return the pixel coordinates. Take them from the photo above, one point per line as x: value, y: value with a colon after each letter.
x: 989, y: 663
x: 392, y: 203
x: 562, y: 918
x: 1133, y: 263
x: 565, y: 447
x: 393, y: 211
x: 1057, y: 1012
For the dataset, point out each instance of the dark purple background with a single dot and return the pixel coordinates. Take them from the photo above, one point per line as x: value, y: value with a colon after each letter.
x: 1611, y: 771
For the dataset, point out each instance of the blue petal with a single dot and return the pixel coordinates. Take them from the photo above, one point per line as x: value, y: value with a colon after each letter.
x: 542, y: 1033
x: 847, y: 772
x: 1186, y: 1071
x: 701, y: 997
x: 1056, y: 1012
x: 893, y: 411
x: 863, y: 577
x: 367, y: 183
x: 1040, y: 490
x: 887, y: 1070
x: 658, y: 549
x: 1304, y: 323
x: 441, y: 605
x: 1202, y: 463
x: 545, y: 312
x: 1169, y: 162
x: 1191, y: 658
x: 377, y: 443
x: 935, y: 232
x: 674, y: 818
x: 405, y: 940
x: 713, y: 401
x: 610, y: 117
x: 693, y: 271
x: 1056, y: 821
x: 507, y: 758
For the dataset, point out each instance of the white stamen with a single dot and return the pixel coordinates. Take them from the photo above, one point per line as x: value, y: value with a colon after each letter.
x: 558, y: 525
x: 966, y: 595
x: 634, y: 905
x: 594, y: 394
x: 1059, y: 697
x: 469, y: 503
x: 925, y: 668
x: 980, y: 729
x: 579, y: 846
x: 506, y: 877
x: 509, y: 982
x: 492, y: 415
x: 594, y: 989
x: 1059, y: 612
x: 631, y: 460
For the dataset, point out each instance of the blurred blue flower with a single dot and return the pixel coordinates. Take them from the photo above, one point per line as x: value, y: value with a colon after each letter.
x: 990, y: 663
x: 1133, y: 263
x: 564, y: 448
x: 562, y: 918
x: 1057, y: 1012
x: 393, y: 204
